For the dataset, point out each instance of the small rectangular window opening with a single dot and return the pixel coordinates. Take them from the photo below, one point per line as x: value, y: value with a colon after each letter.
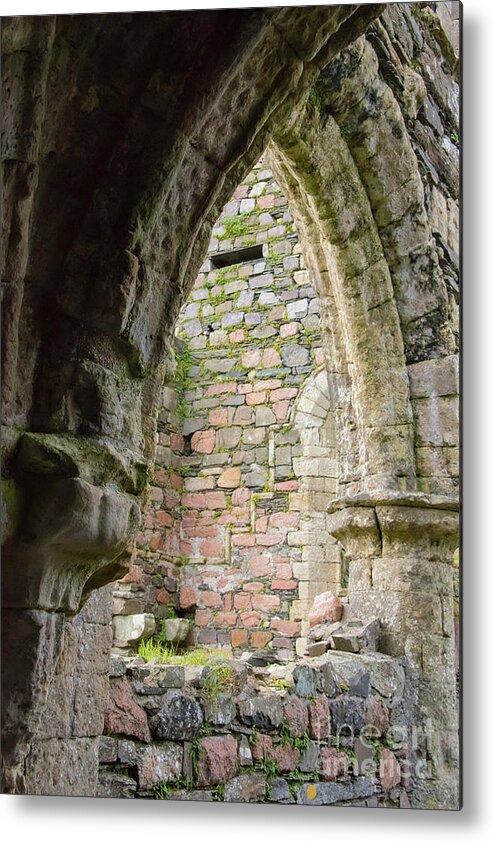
x: 229, y: 258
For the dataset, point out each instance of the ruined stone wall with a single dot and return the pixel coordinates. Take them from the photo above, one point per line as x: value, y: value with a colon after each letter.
x: 152, y: 583
x: 253, y: 332
x: 250, y: 448
x: 246, y: 461
x: 66, y: 742
x: 113, y: 181
x: 328, y: 731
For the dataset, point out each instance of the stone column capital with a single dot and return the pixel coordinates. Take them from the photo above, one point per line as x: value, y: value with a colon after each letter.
x: 390, y: 525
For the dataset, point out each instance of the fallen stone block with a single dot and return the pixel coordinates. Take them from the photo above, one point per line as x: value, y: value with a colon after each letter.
x: 326, y: 608
x: 176, y: 629
x: 357, y: 636
x: 132, y: 628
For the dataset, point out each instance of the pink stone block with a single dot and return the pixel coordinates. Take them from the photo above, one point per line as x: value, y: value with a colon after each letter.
x: 270, y: 358
x: 210, y: 599
x: 218, y: 418
x: 281, y: 410
x: 188, y: 597
x: 255, y: 398
x: 289, y: 329
x: 284, y: 584
x: 285, y: 394
x: 285, y: 520
x: 236, y: 336
x: 251, y: 359
x: 203, y: 441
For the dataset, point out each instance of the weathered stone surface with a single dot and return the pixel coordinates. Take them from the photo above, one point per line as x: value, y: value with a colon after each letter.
x: 157, y: 678
x: 264, y: 712
x: 286, y: 757
x: 364, y: 756
x: 389, y: 769
x: 356, y: 636
x: 388, y: 287
x: 265, y: 417
x: 326, y: 608
x: 124, y: 716
x: 306, y: 680
x: 159, y: 763
x: 71, y: 764
x: 192, y: 795
x: 217, y: 760
x: 279, y: 791
x: 347, y: 717
x: 342, y: 671
x: 127, y: 752
x: 171, y: 676
x: 128, y: 606
x: 113, y: 785
x: 332, y: 793
x: 133, y: 628
x: 329, y: 682
x: 262, y: 746
x: 245, y: 788
x: 219, y: 710
x: 177, y: 629
x: 319, y: 718
x: 296, y: 715
x: 117, y: 666
x: 203, y: 442
x: 244, y: 752
x: 229, y: 478
x: 333, y: 764
x: 309, y: 758
x: 108, y: 747
x: 179, y: 718
x: 295, y: 355
x: 376, y: 714
x: 316, y: 649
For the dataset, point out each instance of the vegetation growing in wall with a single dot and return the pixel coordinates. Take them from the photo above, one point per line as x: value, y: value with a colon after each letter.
x: 315, y: 98
x: 218, y: 680
x: 235, y: 226
x: 150, y: 650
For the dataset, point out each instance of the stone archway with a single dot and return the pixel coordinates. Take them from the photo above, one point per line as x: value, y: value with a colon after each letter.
x: 98, y: 159
x: 377, y: 257
x: 85, y: 216
x: 317, y: 470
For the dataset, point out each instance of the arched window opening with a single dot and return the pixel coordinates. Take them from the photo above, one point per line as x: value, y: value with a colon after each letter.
x: 234, y: 532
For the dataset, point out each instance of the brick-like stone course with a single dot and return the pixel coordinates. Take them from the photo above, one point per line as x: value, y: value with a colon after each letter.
x: 232, y: 455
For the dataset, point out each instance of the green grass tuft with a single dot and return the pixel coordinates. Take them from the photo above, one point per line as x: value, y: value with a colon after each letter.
x: 162, y: 653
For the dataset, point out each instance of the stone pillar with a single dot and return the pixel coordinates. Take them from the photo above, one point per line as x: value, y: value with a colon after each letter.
x: 400, y: 551
x: 65, y: 537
